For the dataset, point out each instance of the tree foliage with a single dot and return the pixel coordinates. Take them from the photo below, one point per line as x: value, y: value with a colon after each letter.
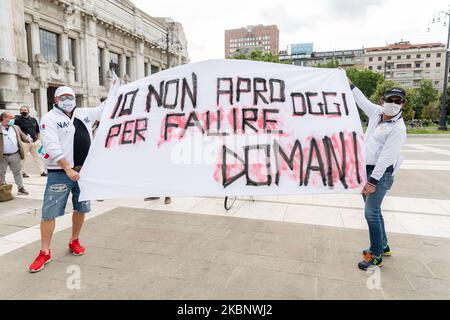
x: 426, y: 95
x: 331, y: 65
x: 432, y: 111
x: 258, y: 55
x: 366, y: 80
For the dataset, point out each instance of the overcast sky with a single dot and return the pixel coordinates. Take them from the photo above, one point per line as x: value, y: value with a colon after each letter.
x: 329, y: 24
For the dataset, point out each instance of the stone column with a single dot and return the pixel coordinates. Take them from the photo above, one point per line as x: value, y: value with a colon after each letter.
x: 82, y: 68
x: 19, y: 35
x: 140, y: 60
x: 35, y: 39
x: 123, y: 64
x: 65, y: 58
x: 64, y: 48
x: 91, y: 54
x: 6, y: 31
x: 132, y: 72
x: 10, y: 95
x: 105, y: 58
x: 43, y: 98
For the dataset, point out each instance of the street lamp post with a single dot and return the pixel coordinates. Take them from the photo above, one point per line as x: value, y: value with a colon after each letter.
x: 443, y: 121
x: 166, y: 42
x: 443, y: 117
x: 170, y: 41
x: 167, y: 48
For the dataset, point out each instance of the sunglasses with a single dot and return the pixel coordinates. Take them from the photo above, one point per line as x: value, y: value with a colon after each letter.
x: 396, y: 101
x: 64, y: 98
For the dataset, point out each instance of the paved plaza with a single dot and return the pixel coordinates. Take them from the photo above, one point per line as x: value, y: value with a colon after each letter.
x: 296, y: 247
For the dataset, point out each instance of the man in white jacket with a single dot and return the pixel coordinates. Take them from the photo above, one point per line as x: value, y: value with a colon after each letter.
x: 66, y: 133
x: 384, y: 139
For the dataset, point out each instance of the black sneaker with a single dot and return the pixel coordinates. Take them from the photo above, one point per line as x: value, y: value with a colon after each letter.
x: 25, y: 175
x: 370, y: 262
x: 43, y: 174
x: 23, y: 192
x: 386, y: 252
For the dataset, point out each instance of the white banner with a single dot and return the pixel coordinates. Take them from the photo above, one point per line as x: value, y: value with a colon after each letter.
x: 228, y: 127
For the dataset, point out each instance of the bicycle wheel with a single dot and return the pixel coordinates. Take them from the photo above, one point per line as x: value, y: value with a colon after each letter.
x: 229, y: 202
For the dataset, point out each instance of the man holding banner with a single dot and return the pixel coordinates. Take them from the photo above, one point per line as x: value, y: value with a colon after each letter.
x: 384, y: 139
x: 66, y: 137
x: 256, y: 128
x: 228, y: 128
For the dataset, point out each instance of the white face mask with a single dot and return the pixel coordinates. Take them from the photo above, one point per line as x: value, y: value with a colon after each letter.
x: 67, y: 105
x: 391, y: 109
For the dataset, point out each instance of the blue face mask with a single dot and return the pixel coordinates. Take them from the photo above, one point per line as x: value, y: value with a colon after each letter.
x: 11, y: 122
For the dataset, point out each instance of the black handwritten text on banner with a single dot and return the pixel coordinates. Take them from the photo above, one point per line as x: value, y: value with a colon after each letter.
x: 227, y: 127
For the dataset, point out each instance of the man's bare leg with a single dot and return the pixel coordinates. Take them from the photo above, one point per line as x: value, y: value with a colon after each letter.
x: 47, y: 229
x: 77, y: 224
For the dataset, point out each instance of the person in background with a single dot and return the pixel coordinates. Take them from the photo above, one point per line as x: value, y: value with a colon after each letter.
x: 30, y: 127
x: 384, y: 139
x: 66, y: 138
x: 12, y: 140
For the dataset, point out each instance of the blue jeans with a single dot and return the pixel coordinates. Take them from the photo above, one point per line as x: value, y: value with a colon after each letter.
x: 59, y: 186
x: 374, y: 217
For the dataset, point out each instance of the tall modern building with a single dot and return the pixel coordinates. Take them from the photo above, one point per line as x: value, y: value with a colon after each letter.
x: 49, y: 43
x: 246, y: 40
x: 408, y: 63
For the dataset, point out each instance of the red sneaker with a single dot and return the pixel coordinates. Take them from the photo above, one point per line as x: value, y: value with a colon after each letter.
x: 40, y: 262
x: 76, y: 248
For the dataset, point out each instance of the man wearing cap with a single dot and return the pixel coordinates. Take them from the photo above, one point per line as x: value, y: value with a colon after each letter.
x: 384, y: 139
x: 66, y: 133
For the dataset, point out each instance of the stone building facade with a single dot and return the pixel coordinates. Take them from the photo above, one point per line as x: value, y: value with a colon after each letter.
x: 48, y: 43
x: 408, y: 63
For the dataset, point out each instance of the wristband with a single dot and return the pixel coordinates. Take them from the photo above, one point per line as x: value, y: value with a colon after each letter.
x: 373, y: 182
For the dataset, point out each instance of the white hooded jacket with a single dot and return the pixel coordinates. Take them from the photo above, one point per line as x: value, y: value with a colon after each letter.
x: 58, y: 131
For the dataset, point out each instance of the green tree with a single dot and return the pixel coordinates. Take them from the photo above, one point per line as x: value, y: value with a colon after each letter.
x: 408, y: 111
x: 331, y: 65
x: 426, y: 95
x: 448, y: 101
x: 366, y: 80
x: 432, y: 111
x: 258, y: 55
x: 447, y: 104
x: 240, y: 56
